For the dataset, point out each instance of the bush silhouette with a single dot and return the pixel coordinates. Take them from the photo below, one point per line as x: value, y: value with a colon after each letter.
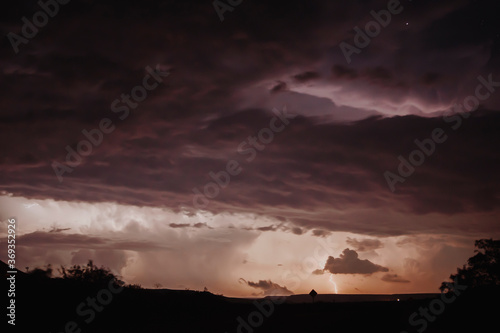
x: 88, y: 274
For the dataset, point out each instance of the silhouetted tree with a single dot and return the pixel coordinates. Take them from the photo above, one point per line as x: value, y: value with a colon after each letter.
x: 482, y: 270
x: 40, y: 273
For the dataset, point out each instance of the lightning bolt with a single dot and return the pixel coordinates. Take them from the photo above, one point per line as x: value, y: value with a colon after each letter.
x: 334, y: 284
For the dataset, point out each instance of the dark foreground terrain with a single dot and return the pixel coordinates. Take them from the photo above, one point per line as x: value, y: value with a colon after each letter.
x: 57, y: 305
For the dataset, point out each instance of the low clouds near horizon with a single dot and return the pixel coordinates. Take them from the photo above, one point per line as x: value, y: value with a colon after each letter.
x: 349, y: 263
x: 394, y: 278
x: 268, y: 288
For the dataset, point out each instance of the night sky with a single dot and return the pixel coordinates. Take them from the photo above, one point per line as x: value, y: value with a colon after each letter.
x: 284, y: 147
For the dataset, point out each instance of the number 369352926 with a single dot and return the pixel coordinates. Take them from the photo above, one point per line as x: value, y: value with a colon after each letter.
x: 11, y: 239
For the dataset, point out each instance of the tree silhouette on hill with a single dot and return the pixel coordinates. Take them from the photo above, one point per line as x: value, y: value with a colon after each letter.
x: 88, y: 274
x: 482, y: 270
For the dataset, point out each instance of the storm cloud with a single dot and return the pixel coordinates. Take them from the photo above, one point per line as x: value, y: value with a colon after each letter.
x: 349, y: 263
x: 394, y: 278
x: 269, y: 288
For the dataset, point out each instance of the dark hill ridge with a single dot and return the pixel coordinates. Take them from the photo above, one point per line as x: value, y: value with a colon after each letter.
x: 48, y: 305
x: 304, y: 298
x: 4, y: 268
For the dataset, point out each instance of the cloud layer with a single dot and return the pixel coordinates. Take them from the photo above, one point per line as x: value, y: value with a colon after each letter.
x: 269, y: 288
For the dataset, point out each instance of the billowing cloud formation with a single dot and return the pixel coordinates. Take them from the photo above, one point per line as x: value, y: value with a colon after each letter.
x: 349, y: 263
x: 394, y: 278
x: 269, y: 288
x: 364, y: 244
x: 277, y: 185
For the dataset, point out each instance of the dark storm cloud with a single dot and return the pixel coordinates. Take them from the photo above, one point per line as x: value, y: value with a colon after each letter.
x: 59, y: 229
x: 306, y: 76
x: 340, y: 71
x: 374, y: 74
x: 280, y: 86
x: 187, y: 225
x: 345, y: 169
x: 430, y: 78
x: 179, y: 225
x: 268, y: 228
x: 353, y: 162
x: 394, y: 278
x: 349, y: 263
x: 269, y: 288
x: 364, y: 244
x: 65, y: 79
x: 320, y: 233
x: 72, y: 241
